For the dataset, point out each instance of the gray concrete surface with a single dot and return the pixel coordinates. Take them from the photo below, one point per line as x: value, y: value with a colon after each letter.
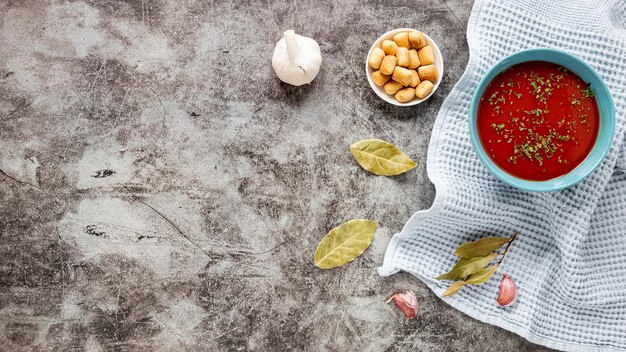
x: 161, y: 190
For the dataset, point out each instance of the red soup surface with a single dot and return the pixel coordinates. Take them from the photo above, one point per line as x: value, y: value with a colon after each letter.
x: 538, y: 120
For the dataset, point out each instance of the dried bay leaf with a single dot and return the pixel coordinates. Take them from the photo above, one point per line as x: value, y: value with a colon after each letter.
x: 380, y: 157
x: 482, y: 276
x: 454, y: 288
x: 467, y: 266
x: 480, y: 247
x: 344, y: 243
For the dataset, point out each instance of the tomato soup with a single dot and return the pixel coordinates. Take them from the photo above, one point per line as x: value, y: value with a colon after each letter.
x: 538, y: 120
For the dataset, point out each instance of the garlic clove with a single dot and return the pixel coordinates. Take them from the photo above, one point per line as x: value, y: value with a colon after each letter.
x: 407, y: 303
x: 508, y: 291
x: 297, y: 59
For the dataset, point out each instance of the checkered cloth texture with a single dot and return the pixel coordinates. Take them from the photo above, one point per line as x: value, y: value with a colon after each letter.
x: 569, y: 261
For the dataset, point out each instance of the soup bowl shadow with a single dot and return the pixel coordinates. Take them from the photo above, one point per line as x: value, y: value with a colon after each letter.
x: 606, y: 111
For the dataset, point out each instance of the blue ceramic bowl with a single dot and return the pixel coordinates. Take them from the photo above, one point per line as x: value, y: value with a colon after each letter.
x: 605, y: 107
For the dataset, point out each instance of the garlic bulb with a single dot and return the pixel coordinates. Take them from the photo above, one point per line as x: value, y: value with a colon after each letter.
x: 296, y: 59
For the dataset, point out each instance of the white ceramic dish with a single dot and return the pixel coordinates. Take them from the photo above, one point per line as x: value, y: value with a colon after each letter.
x: 379, y: 90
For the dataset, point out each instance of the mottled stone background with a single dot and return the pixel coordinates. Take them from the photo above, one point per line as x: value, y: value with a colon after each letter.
x: 161, y: 190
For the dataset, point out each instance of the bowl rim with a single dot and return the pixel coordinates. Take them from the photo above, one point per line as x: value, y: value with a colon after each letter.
x: 603, y: 141
x: 389, y: 98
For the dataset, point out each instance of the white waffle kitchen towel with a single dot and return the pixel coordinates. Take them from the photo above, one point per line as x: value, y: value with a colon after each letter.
x: 569, y: 261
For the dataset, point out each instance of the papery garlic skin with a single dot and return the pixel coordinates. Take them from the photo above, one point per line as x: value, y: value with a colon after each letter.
x: 297, y: 59
x: 407, y: 303
x: 508, y: 291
